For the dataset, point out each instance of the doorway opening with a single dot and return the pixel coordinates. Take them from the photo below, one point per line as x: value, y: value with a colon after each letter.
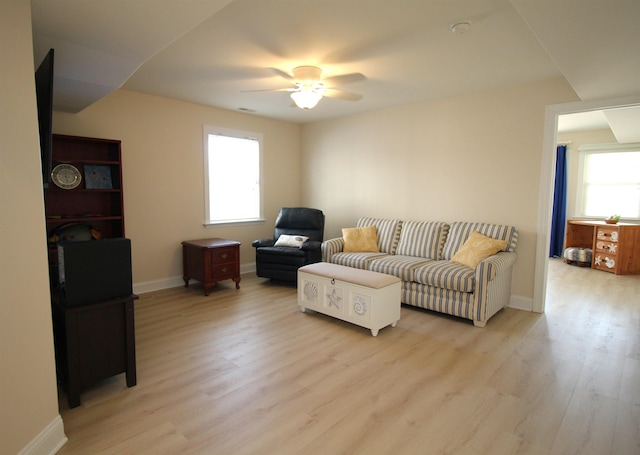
x: 552, y: 113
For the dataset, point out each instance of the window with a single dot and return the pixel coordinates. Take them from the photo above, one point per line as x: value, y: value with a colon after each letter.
x: 609, y: 181
x: 232, y: 176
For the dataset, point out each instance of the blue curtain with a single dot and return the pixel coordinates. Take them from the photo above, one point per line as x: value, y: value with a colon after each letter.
x: 559, y: 217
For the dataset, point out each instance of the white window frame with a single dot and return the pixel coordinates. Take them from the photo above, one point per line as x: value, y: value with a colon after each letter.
x: 599, y: 149
x: 218, y: 131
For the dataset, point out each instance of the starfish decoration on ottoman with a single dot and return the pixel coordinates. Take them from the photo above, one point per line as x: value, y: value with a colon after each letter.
x: 334, y: 299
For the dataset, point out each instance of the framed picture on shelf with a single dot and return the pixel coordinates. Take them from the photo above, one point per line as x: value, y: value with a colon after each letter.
x: 97, y: 177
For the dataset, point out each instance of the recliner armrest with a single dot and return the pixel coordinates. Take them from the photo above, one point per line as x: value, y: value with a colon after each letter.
x: 263, y: 242
x: 311, y: 245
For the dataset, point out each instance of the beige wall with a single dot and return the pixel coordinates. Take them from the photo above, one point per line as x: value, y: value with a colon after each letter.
x: 162, y: 153
x: 473, y: 158
x: 28, y: 395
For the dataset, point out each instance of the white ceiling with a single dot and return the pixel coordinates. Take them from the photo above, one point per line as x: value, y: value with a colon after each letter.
x: 212, y: 51
x: 624, y: 122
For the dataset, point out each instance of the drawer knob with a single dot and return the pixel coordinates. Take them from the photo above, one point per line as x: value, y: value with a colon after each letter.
x: 224, y: 256
x: 224, y: 270
x: 333, y: 281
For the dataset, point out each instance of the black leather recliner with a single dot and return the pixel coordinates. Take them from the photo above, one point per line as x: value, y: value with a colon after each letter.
x: 281, y: 263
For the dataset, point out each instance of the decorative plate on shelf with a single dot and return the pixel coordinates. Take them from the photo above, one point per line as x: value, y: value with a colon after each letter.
x: 66, y: 176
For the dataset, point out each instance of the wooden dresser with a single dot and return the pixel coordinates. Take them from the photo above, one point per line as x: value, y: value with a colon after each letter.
x: 616, y: 247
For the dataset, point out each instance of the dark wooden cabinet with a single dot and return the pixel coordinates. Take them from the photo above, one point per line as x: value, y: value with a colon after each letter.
x: 98, y: 200
x: 210, y: 261
x: 94, y: 342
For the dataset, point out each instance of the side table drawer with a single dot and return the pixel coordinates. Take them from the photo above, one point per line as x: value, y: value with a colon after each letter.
x: 223, y: 255
x: 223, y: 271
x: 607, y: 234
x: 606, y: 262
x: 606, y: 247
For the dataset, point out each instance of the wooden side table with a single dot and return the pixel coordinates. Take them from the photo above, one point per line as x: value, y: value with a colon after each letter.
x: 210, y: 261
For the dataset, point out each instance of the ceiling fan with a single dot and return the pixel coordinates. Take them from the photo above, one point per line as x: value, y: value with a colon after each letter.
x: 309, y: 87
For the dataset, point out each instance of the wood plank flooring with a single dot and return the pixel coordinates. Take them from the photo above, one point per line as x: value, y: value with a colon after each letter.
x: 245, y: 372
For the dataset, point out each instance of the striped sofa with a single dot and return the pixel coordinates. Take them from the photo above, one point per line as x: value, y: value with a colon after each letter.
x: 419, y: 253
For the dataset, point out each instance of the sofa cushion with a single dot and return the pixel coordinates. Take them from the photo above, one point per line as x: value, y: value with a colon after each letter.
x: 362, y: 239
x: 447, y: 301
x: 447, y: 275
x: 424, y: 239
x: 356, y: 260
x: 388, y: 232
x: 477, y: 248
x: 460, y: 231
x: 397, y: 265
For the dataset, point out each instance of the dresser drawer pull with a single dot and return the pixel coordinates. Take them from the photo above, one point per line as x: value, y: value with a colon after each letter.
x: 224, y: 270
x: 224, y: 256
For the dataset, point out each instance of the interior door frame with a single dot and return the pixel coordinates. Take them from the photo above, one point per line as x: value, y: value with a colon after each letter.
x: 547, y: 177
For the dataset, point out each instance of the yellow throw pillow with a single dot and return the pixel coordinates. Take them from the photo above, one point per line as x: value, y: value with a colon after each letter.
x: 477, y: 248
x: 362, y: 239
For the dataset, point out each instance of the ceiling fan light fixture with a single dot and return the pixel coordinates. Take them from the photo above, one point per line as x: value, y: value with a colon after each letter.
x: 306, y: 99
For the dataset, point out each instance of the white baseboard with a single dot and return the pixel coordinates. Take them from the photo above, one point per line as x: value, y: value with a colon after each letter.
x: 521, y: 303
x: 49, y: 440
x: 157, y: 285
x: 177, y: 281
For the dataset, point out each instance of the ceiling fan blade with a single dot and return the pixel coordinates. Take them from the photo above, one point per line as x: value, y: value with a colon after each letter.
x: 341, y: 94
x: 344, y: 79
x: 292, y: 89
x: 281, y: 73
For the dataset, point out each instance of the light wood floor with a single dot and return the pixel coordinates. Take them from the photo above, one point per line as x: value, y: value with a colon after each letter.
x: 245, y: 372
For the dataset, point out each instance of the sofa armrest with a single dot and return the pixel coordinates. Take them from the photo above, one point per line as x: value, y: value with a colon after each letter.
x: 262, y: 242
x: 489, y: 268
x: 493, y: 286
x: 331, y: 247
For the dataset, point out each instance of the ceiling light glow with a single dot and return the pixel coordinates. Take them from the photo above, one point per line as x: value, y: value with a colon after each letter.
x: 306, y: 99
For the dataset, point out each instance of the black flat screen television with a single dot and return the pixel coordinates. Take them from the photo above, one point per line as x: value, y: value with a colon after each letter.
x: 93, y: 271
x: 44, y: 97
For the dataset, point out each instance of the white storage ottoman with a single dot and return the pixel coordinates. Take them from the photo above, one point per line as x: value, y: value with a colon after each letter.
x: 365, y: 298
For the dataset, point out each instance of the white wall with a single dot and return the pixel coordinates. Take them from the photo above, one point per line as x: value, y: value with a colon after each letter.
x: 471, y: 158
x: 29, y: 416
